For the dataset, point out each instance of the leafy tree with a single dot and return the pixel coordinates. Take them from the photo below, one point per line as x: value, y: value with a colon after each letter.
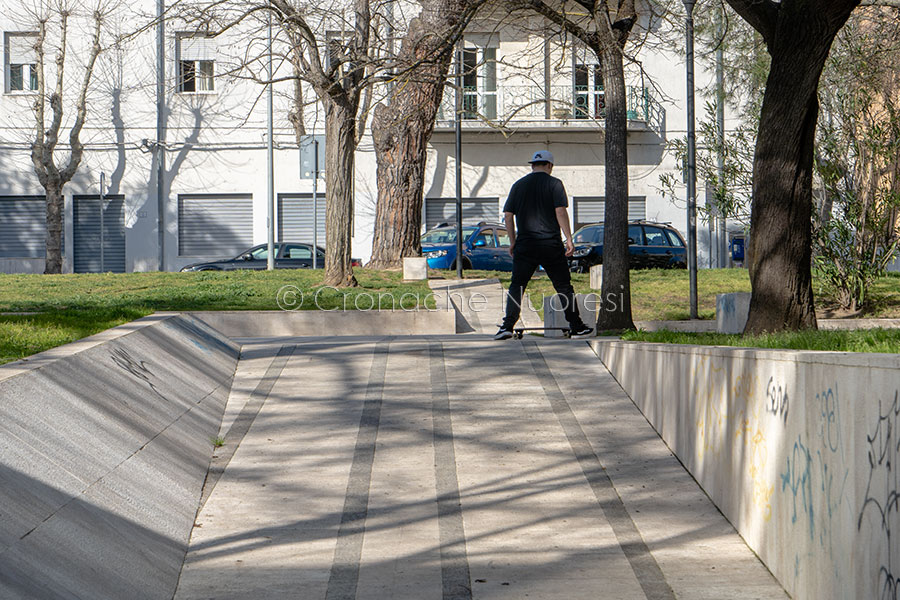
x: 858, y: 157
x: 798, y: 35
x: 732, y: 190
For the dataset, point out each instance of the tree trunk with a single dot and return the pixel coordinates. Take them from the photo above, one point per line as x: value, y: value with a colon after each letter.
x: 340, y: 148
x: 615, y: 294
x: 780, y: 248
x: 53, y: 263
x: 401, y: 130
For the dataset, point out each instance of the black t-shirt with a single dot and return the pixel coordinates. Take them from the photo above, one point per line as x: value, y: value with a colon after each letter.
x: 534, y: 200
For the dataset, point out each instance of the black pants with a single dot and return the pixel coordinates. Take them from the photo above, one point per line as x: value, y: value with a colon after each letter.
x: 551, y: 255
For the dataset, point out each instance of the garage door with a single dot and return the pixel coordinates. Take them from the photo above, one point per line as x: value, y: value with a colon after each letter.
x: 474, y: 210
x: 214, y: 225
x: 99, y: 242
x: 591, y: 209
x: 295, y: 218
x: 23, y: 226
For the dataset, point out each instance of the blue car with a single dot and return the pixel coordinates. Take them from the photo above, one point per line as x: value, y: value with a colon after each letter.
x: 485, y: 247
x: 650, y: 246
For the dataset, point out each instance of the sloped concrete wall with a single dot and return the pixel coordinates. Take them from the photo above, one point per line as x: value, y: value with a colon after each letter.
x: 104, y: 447
x: 799, y: 450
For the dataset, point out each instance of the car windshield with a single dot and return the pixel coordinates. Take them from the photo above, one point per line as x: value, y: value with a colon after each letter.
x: 259, y: 253
x: 589, y: 235
x: 445, y: 235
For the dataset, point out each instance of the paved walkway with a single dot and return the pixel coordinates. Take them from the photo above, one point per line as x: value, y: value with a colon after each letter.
x: 451, y: 468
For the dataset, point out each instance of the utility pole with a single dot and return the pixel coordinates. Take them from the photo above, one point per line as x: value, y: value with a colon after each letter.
x: 102, y: 223
x: 160, y: 146
x: 721, y: 226
x: 459, y: 230
x: 691, y: 158
x: 315, y: 252
x: 270, y: 159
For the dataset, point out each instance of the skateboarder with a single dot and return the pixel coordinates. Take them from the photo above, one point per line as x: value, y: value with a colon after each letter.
x: 534, y: 213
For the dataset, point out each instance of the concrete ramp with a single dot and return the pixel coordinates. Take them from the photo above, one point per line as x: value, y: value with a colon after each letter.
x: 104, y: 447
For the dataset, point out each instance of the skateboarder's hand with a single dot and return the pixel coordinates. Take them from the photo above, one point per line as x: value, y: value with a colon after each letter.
x: 511, y: 246
x: 570, y: 248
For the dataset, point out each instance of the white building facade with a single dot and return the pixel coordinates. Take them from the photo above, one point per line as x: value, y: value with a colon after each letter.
x: 523, y: 91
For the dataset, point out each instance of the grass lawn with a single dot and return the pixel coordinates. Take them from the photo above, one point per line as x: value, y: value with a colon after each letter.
x: 70, y: 307
x: 664, y: 295
x: 64, y: 308
x: 861, y: 340
x: 656, y: 294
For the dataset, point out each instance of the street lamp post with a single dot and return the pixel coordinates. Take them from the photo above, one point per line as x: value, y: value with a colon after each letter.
x: 691, y: 158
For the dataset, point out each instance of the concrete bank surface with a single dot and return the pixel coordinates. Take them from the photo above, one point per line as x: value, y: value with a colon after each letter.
x: 451, y: 467
x: 799, y: 449
x: 104, y: 447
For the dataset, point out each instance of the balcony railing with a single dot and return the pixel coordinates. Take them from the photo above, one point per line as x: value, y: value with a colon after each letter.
x: 512, y: 106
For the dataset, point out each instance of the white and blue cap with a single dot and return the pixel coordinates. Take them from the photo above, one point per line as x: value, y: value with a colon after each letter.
x: 542, y: 156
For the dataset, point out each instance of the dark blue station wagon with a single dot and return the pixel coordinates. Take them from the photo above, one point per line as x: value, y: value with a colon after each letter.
x: 650, y: 246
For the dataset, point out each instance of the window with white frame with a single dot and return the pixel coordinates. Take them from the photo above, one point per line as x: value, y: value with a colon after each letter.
x: 480, y: 77
x: 21, y: 62
x: 588, y: 95
x: 337, y: 49
x: 196, y: 56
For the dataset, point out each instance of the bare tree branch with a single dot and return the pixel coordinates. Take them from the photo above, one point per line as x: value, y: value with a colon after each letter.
x: 81, y: 105
x: 762, y: 15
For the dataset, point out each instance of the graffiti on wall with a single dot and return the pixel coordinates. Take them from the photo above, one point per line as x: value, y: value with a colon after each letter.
x: 731, y: 422
x: 136, y: 368
x: 881, y: 504
x: 814, y: 479
x: 762, y: 491
x: 777, y: 402
x: 832, y: 468
x: 797, y: 480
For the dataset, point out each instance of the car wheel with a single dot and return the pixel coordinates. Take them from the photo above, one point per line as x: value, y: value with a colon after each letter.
x: 465, y: 265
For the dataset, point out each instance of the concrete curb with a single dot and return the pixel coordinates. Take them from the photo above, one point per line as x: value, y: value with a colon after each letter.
x: 254, y: 324
x: 104, y: 446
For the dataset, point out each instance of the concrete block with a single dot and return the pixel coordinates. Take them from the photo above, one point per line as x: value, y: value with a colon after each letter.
x: 596, y: 277
x: 415, y: 268
x: 731, y: 312
x: 794, y: 447
x: 554, y: 316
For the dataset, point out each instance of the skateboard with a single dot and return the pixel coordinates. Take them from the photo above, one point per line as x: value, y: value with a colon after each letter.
x: 518, y: 332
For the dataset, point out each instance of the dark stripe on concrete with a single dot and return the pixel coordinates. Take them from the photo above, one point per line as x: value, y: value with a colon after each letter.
x: 242, y: 423
x: 345, y: 569
x: 645, y: 567
x: 457, y: 583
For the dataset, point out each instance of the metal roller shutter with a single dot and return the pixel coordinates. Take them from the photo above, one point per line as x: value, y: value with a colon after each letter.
x: 475, y: 210
x: 591, y: 209
x: 295, y: 218
x: 23, y: 226
x: 214, y: 225
x: 99, y: 249
x: 196, y: 47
